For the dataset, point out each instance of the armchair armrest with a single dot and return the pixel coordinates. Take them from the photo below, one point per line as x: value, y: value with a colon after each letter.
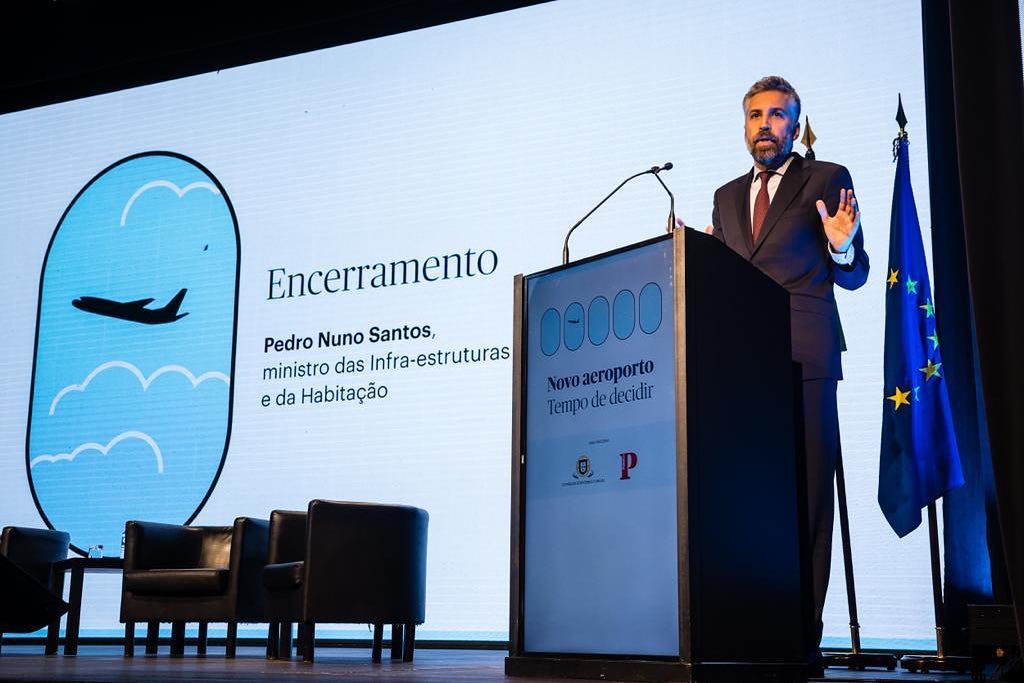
x: 249, y: 543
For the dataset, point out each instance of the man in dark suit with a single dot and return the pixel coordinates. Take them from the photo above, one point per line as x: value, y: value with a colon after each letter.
x: 797, y: 221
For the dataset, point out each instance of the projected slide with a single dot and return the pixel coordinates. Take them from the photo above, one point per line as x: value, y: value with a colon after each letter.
x: 239, y: 291
x: 131, y: 395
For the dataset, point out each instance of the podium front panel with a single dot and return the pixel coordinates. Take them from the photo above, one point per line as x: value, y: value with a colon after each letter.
x: 600, y: 562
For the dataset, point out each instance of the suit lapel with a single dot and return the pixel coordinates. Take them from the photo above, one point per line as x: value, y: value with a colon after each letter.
x: 795, y: 178
x: 741, y: 237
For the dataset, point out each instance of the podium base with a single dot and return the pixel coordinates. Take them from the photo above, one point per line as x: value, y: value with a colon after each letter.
x: 858, y: 661
x: 652, y: 670
x: 928, y: 663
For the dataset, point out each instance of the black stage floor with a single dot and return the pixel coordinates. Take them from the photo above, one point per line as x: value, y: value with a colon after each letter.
x: 96, y: 663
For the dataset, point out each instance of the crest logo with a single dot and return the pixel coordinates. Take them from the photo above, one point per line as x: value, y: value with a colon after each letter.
x: 583, y: 469
x: 583, y: 473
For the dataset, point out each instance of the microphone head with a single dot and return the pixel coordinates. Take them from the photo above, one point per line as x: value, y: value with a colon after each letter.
x: 667, y: 166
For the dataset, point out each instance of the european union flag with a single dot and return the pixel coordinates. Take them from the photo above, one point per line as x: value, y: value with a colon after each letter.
x: 919, y: 459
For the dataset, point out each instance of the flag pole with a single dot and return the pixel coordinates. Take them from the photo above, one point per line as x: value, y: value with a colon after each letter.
x: 919, y: 462
x: 855, y: 659
x: 940, y: 661
x: 933, y: 542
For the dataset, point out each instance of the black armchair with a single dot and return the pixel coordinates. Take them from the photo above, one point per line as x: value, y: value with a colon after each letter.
x: 346, y: 563
x: 182, y: 574
x: 26, y: 602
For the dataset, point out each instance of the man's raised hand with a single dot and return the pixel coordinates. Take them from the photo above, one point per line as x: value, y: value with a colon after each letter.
x: 841, y: 228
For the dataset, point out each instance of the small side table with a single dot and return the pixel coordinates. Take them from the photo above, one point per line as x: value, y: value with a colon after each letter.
x: 78, y: 567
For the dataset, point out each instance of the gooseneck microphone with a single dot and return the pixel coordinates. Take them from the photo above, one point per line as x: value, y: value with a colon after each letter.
x: 654, y: 170
x: 671, y: 198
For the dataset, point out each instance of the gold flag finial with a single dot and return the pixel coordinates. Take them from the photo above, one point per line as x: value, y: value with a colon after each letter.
x: 808, y: 138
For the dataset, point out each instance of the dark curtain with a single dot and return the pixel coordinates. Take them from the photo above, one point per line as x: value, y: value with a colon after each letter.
x: 970, y: 523
x: 984, y: 141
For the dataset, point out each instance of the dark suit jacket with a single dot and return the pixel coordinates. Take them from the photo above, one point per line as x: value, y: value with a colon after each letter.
x: 793, y: 251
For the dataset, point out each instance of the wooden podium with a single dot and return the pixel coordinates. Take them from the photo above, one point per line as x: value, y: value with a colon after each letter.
x: 657, y: 479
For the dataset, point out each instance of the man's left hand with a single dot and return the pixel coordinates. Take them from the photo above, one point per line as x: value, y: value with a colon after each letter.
x: 841, y: 228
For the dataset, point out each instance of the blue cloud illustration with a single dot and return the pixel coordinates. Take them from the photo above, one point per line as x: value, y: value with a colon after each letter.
x: 131, y: 392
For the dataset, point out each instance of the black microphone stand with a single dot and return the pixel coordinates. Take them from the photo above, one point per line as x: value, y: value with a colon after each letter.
x: 655, y: 170
x: 671, y: 197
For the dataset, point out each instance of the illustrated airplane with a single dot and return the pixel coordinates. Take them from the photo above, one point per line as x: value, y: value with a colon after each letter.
x: 134, y: 311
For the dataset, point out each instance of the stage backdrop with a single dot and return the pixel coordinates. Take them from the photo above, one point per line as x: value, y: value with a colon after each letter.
x: 242, y: 290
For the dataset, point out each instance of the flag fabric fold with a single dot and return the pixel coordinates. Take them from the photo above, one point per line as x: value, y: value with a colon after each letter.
x: 919, y: 461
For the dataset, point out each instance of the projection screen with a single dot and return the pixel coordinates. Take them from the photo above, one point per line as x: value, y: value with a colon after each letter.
x: 239, y: 291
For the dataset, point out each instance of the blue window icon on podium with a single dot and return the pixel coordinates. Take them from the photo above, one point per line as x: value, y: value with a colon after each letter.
x: 626, y: 313
x: 650, y: 308
x: 550, y: 332
x: 573, y: 326
x: 597, y: 321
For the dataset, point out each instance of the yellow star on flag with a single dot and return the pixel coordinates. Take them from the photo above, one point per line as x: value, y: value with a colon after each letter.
x: 911, y: 286
x: 931, y: 370
x: 929, y: 309
x: 935, y: 340
x: 893, y: 279
x: 899, y: 399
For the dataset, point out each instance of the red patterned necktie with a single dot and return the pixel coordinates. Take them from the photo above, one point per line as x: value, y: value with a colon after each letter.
x: 761, y: 203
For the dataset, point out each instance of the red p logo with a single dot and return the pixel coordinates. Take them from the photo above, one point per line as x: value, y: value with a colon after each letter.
x: 628, y: 463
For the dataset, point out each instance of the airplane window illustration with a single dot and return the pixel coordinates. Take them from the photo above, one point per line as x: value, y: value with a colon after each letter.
x: 550, y: 332
x: 650, y: 308
x: 624, y: 314
x: 574, y: 324
x: 597, y: 321
x: 132, y: 382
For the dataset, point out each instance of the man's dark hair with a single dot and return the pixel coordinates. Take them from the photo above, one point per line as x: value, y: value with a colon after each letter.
x: 777, y: 83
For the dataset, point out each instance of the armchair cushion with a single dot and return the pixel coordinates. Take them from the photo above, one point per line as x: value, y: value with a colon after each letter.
x: 284, y: 575
x: 194, y: 582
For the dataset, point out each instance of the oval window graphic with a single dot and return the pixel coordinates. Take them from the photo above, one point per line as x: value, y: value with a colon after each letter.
x: 624, y: 314
x: 574, y: 324
x: 650, y: 308
x: 597, y: 323
x: 550, y: 332
x: 130, y: 411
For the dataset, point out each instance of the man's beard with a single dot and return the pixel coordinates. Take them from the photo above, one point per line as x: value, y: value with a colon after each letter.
x: 773, y: 154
